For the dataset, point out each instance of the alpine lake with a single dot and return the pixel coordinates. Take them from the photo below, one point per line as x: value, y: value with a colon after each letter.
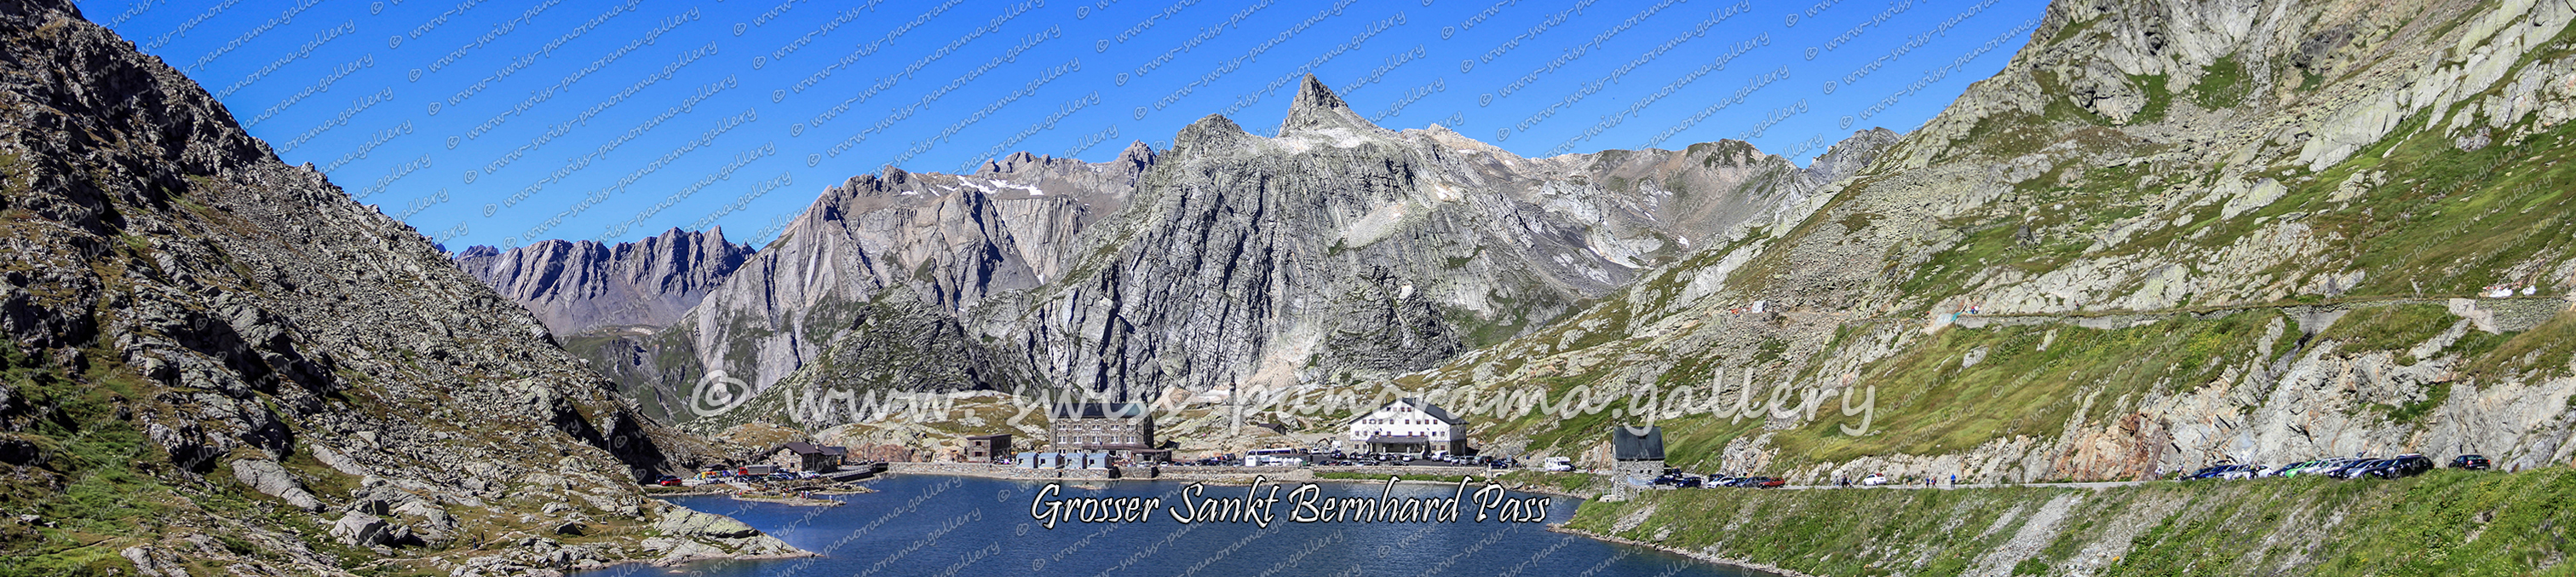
x: 934, y: 525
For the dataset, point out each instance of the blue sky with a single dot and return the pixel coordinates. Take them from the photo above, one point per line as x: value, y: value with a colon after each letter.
x: 505, y: 121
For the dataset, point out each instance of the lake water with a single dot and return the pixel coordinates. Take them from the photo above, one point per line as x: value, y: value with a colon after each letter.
x: 940, y: 526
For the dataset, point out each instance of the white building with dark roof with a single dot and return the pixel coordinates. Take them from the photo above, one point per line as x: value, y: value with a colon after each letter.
x: 1409, y: 425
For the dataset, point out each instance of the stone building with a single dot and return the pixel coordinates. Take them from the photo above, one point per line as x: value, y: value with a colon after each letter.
x: 803, y: 456
x: 1122, y: 427
x: 1637, y: 454
x: 986, y: 448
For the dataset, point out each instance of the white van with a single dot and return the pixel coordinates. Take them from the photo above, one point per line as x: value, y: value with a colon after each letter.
x: 1560, y: 464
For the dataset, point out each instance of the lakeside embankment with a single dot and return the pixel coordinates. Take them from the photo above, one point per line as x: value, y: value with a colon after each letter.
x: 1573, y: 485
x: 2443, y: 523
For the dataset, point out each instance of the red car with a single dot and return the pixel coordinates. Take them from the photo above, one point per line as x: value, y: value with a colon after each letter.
x: 1760, y: 482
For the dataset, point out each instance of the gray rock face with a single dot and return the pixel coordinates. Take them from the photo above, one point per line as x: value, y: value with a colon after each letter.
x: 2139, y: 172
x: 688, y: 522
x: 952, y: 241
x: 164, y: 269
x: 1338, y: 250
x: 267, y: 477
x: 361, y: 529
x: 578, y: 285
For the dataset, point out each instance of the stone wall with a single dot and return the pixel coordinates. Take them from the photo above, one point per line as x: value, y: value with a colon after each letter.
x: 1002, y: 471
x: 1220, y: 473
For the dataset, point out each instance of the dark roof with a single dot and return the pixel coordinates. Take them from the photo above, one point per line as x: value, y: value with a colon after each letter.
x: 1637, y: 443
x: 1098, y: 411
x: 800, y: 447
x: 1434, y: 411
x: 1001, y: 436
x: 836, y: 451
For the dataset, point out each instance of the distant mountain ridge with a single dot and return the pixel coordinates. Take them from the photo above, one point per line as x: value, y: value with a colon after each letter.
x: 1337, y: 251
x: 574, y: 286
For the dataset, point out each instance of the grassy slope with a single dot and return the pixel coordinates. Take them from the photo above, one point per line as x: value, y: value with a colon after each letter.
x: 2444, y: 523
x: 2445, y: 220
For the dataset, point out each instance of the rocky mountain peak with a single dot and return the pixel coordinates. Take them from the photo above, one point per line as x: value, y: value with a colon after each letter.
x: 1854, y: 152
x: 1138, y: 155
x: 1313, y: 95
x: 1317, y: 107
x: 1214, y: 131
x: 578, y: 285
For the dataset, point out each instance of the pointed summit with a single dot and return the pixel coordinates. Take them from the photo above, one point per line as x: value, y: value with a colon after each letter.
x: 1313, y: 94
x: 1317, y: 107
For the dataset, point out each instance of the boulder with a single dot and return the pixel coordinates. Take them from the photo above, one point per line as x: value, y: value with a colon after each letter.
x: 685, y: 522
x: 267, y: 477
x: 361, y: 529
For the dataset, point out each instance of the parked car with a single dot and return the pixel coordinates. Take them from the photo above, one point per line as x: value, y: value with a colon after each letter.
x: 2355, y: 469
x: 2301, y: 467
x: 1678, y: 480
x: 2215, y: 472
x: 2407, y: 465
x: 2319, y: 466
x: 2470, y: 462
x: 1560, y: 464
x: 1760, y: 482
x: 1873, y: 480
x: 667, y: 480
x: 2242, y: 472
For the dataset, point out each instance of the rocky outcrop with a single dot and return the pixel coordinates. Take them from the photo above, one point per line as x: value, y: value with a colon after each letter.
x: 689, y: 535
x: 266, y: 477
x: 956, y: 241
x: 1338, y: 250
x: 573, y: 286
x: 206, y: 324
x: 2247, y: 220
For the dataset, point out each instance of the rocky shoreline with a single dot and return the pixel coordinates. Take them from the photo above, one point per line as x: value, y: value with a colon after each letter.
x: 1222, y: 477
x: 1728, y: 561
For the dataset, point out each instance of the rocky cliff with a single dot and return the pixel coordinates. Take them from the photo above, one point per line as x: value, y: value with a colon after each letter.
x: 2166, y: 234
x: 1337, y: 251
x: 217, y: 360
x: 1341, y: 251
x: 574, y: 286
x: 950, y: 243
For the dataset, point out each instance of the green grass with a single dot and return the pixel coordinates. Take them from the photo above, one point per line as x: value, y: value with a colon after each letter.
x: 2446, y: 219
x: 2159, y: 99
x: 1927, y: 402
x: 94, y: 481
x: 2541, y: 352
x: 2442, y: 523
x: 2387, y: 328
x: 2222, y: 85
x: 2072, y: 31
